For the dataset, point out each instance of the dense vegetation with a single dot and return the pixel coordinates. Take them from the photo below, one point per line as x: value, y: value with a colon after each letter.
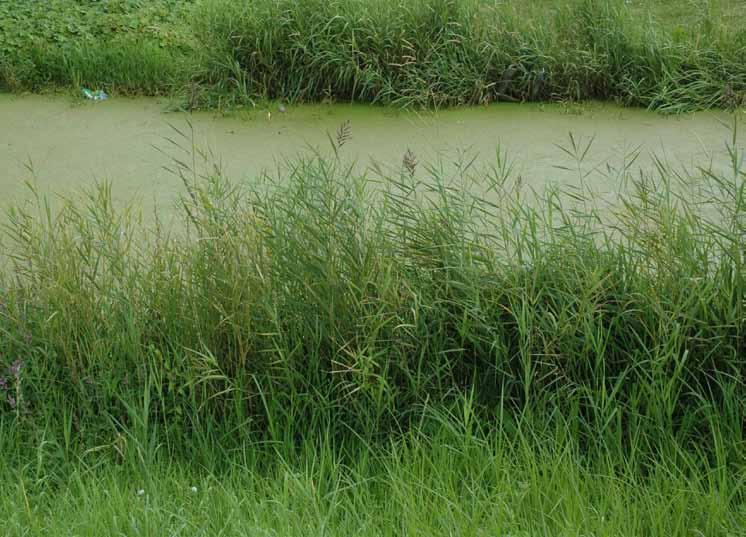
x: 414, y: 53
x: 371, y: 351
x: 416, y: 350
x: 127, y: 46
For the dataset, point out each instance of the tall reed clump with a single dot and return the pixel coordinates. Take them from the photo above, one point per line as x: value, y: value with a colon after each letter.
x: 419, y: 53
x: 451, y: 52
x: 327, y: 301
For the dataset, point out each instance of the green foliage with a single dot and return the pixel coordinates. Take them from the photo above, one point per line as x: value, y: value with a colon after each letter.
x: 319, y: 301
x: 454, y: 483
x: 129, y: 46
x: 60, y: 22
x: 453, y: 52
x: 421, y: 53
x: 419, y: 352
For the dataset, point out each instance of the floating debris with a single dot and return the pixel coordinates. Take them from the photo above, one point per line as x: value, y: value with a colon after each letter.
x: 98, y: 95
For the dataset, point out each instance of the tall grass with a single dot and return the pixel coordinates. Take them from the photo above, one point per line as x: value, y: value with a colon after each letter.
x: 422, y: 53
x: 456, y: 482
x: 412, y: 350
x: 326, y: 299
x: 451, y: 52
x: 122, y: 65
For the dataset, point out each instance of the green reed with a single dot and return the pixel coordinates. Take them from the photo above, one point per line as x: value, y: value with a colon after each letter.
x: 421, y: 53
x: 326, y: 297
x: 324, y: 346
x: 453, y: 52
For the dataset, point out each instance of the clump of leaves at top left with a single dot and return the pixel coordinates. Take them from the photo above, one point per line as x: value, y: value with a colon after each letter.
x: 28, y: 23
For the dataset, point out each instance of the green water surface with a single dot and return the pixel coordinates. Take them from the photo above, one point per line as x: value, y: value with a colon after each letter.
x: 63, y: 145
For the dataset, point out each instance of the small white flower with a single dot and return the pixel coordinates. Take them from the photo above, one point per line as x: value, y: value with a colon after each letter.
x: 140, y: 492
x: 193, y: 489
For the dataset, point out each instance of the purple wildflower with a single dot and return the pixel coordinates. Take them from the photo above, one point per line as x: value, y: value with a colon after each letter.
x: 12, y: 401
x: 15, y: 368
x: 3, y: 383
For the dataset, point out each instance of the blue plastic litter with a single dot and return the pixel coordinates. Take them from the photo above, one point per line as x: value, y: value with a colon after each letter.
x: 98, y: 95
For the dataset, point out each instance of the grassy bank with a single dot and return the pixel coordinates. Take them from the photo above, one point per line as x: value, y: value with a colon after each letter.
x: 457, y: 483
x: 390, y: 351
x: 214, y: 53
x: 124, y: 46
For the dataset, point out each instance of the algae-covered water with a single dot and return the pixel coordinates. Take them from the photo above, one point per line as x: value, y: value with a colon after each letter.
x: 62, y: 144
